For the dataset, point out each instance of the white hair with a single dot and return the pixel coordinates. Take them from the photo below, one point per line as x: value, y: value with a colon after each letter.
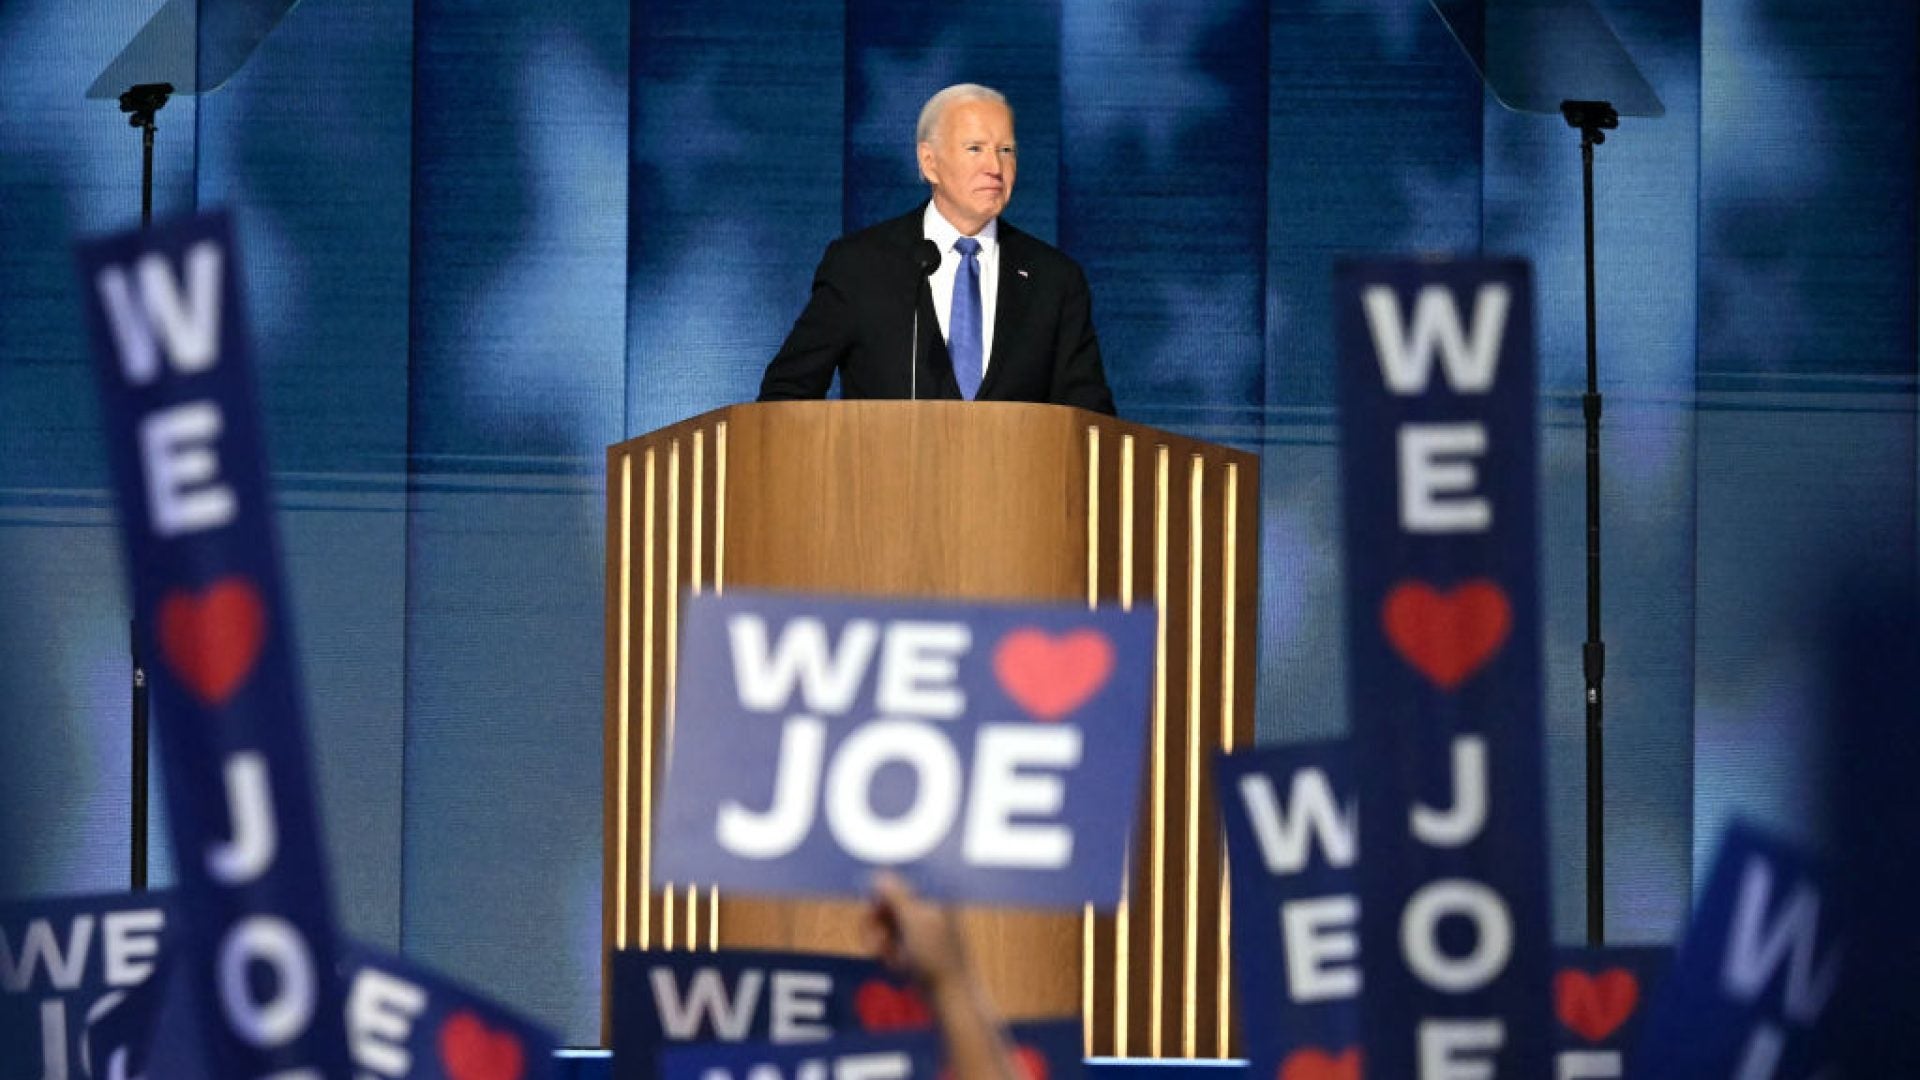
x: 953, y: 95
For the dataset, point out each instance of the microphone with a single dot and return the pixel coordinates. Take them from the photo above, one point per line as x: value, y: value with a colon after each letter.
x: 926, y: 256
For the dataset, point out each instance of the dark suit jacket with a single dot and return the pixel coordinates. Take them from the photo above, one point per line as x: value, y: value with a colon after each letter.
x: 860, y: 321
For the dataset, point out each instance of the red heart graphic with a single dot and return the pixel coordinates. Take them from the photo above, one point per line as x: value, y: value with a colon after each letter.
x: 211, y: 640
x: 1313, y: 1063
x: 470, y: 1050
x: 884, y: 1007
x: 1447, y: 636
x: 1595, y: 1006
x: 1050, y: 677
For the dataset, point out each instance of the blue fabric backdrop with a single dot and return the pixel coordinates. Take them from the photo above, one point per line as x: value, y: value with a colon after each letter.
x: 485, y: 239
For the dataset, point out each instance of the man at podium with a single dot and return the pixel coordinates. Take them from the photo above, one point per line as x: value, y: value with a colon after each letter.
x: 948, y: 301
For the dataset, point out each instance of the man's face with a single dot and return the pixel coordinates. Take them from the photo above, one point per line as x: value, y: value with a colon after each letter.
x: 970, y: 163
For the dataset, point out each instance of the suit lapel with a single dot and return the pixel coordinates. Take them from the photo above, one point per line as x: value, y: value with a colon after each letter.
x: 1015, y: 289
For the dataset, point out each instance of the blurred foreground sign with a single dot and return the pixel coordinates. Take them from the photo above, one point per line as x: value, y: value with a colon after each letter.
x: 1751, y: 986
x: 991, y: 752
x: 183, y: 437
x: 1438, y: 454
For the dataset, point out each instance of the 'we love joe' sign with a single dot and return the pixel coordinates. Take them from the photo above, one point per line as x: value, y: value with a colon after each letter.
x: 1443, y: 631
x: 184, y: 440
x: 991, y: 752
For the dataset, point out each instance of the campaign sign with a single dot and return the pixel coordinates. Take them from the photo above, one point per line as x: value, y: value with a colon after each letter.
x: 1443, y: 632
x: 404, y: 1021
x: 184, y: 442
x: 73, y: 978
x: 662, y: 999
x: 1874, y: 672
x: 1749, y: 992
x: 990, y: 751
x: 1042, y: 1050
x: 1600, y: 995
x: 1292, y: 842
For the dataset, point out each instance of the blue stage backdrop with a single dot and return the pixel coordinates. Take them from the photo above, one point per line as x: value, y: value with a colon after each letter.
x: 486, y: 239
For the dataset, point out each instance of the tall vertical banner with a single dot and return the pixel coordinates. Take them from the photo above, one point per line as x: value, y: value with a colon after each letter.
x: 1438, y: 451
x: 184, y: 442
x: 1293, y: 845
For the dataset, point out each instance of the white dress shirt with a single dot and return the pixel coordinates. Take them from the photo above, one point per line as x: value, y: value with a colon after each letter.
x: 942, y: 232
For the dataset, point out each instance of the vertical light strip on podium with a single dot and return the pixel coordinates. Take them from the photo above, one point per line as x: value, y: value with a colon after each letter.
x: 1229, y: 610
x: 669, y: 596
x: 623, y: 702
x: 1196, y: 570
x: 648, y: 528
x: 1088, y: 927
x: 719, y: 586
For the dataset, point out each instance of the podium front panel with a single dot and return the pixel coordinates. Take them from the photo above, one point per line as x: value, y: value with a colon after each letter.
x: 959, y: 501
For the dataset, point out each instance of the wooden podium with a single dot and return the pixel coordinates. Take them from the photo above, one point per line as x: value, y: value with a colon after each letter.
x: 966, y: 500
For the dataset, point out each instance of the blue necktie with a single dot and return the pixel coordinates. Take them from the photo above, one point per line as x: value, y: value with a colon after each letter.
x: 963, y: 338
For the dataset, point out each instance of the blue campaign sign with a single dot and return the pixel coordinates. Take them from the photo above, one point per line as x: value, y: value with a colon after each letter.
x: 1750, y: 990
x: 1874, y: 675
x: 76, y: 975
x: 1443, y: 630
x: 404, y: 1021
x: 1292, y: 844
x: 183, y: 438
x: 663, y: 999
x: 1600, y: 996
x: 1042, y: 1050
x: 992, y: 752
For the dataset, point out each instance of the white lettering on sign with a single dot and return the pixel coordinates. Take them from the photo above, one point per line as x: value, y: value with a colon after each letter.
x: 184, y: 492
x: 1322, y: 945
x: 35, y: 958
x: 1406, y: 353
x: 920, y: 669
x: 1456, y: 898
x: 381, y: 1011
x: 705, y: 1001
x: 796, y: 1003
x: 1589, y: 1065
x: 1463, y: 822
x: 39, y: 947
x: 1757, y: 949
x: 1001, y: 789
x: 917, y: 672
x: 919, y: 828
x: 1287, y: 840
x: 1008, y: 780
x: 188, y: 324
x: 283, y: 1013
x: 871, y: 1065
x: 827, y: 675
x: 1760, y: 1060
x: 53, y: 1039
x: 1460, y: 1049
x: 1437, y: 478
x: 130, y: 940
x: 796, y: 783
x: 800, y: 1006
x: 250, y: 811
